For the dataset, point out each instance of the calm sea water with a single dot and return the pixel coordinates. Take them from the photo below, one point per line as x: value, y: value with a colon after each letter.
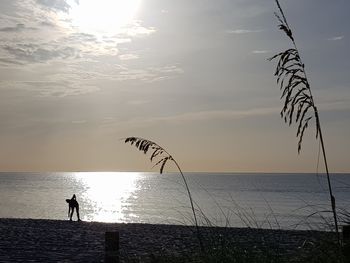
x: 234, y: 199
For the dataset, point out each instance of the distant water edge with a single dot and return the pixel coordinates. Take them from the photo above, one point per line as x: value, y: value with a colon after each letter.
x: 268, y: 200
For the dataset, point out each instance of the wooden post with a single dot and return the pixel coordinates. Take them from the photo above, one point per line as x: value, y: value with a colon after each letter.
x: 112, y: 247
x: 346, y: 243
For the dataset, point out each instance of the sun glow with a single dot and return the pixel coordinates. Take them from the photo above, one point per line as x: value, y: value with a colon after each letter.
x: 103, y: 16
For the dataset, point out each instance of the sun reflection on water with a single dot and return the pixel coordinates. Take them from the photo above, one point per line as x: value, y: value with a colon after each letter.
x: 105, y: 194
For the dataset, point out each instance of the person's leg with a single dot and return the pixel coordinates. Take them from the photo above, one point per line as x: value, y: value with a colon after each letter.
x: 78, y: 213
x: 71, y: 214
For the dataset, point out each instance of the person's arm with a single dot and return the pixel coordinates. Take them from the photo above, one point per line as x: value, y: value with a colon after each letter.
x: 68, y: 210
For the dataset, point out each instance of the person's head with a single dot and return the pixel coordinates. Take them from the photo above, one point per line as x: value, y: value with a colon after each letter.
x: 74, y: 197
x: 68, y: 201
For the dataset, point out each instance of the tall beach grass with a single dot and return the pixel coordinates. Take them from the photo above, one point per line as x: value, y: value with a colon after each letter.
x: 299, y: 105
x: 161, y: 157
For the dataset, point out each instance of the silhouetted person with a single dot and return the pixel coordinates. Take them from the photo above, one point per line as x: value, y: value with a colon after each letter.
x: 73, y: 203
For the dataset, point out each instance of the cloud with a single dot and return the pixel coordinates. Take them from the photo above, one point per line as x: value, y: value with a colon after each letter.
x: 56, y: 38
x: 149, y: 75
x: 57, y: 5
x: 260, y: 51
x: 58, y: 88
x: 47, y: 23
x: 199, y: 116
x: 18, y: 28
x: 169, y: 69
x: 128, y: 56
x: 74, y: 46
x: 7, y: 61
x: 34, y: 53
x: 242, y: 31
x: 137, y: 29
x: 84, y: 37
x: 217, y: 115
x: 92, y: 46
x: 75, y: 55
x: 336, y: 38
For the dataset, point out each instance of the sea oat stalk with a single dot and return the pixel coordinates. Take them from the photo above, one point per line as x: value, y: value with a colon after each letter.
x: 299, y: 104
x: 163, y: 157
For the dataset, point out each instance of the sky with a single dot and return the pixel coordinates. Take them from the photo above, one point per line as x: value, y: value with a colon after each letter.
x: 78, y: 76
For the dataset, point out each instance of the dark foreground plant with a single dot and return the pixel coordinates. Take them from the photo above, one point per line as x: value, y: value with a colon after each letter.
x: 162, y: 157
x: 299, y: 104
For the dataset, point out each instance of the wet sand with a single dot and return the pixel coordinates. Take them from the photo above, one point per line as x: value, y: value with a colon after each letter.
x: 34, y: 240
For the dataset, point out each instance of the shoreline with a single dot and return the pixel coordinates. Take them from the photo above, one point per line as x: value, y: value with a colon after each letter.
x: 44, y: 240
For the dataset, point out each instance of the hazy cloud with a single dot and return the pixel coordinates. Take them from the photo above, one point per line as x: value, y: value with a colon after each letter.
x: 17, y: 28
x: 260, y: 51
x: 220, y: 114
x: 61, y: 88
x: 34, y: 53
x: 47, y: 23
x: 73, y: 46
x: 151, y: 74
x: 59, y: 5
x: 137, y: 29
x: 7, y: 61
x: 84, y: 37
x: 56, y: 38
x: 128, y: 56
x: 209, y: 116
x: 242, y: 31
x: 336, y: 38
x: 169, y: 69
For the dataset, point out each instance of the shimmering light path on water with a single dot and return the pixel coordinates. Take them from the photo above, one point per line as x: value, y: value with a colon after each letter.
x: 106, y: 194
x: 234, y: 199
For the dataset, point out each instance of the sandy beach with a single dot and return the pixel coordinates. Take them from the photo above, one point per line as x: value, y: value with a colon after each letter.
x: 33, y: 240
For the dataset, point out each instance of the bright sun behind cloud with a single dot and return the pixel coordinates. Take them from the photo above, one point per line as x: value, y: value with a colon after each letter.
x: 103, y: 17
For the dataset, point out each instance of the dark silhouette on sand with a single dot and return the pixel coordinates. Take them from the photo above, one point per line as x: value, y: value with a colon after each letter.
x: 73, y: 203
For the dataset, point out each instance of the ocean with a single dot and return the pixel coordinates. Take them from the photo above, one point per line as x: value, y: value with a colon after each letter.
x: 267, y: 200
